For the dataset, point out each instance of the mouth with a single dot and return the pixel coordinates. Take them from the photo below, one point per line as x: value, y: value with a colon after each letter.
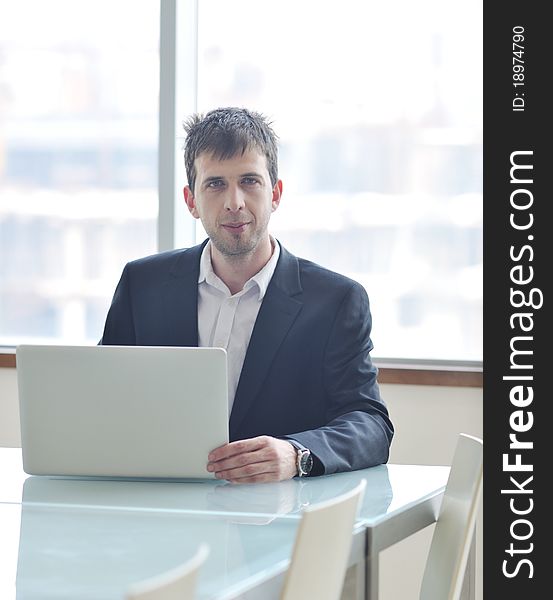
x: 234, y: 227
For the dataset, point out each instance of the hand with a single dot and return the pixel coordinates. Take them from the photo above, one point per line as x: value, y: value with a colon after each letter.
x: 254, y: 460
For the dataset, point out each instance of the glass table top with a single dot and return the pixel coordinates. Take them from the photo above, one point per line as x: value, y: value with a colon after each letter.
x: 58, y: 553
x: 91, y: 538
x: 389, y: 488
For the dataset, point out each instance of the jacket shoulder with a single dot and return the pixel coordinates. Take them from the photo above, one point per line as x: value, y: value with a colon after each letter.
x: 163, y: 263
x: 313, y: 274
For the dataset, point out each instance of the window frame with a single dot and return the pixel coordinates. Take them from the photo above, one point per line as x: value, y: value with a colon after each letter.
x: 391, y: 371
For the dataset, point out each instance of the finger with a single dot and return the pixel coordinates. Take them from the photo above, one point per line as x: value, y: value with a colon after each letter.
x: 238, y: 460
x: 250, y: 473
x: 238, y: 447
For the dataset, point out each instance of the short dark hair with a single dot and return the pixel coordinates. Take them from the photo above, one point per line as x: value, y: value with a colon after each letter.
x: 227, y: 132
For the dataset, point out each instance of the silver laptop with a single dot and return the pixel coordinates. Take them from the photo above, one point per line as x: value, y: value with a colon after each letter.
x: 121, y: 411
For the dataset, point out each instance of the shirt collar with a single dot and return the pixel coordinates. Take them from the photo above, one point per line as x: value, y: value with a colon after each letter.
x: 262, y: 278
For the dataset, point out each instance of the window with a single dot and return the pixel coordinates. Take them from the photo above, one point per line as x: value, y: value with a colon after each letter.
x: 378, y: 106
x: 79, y: 84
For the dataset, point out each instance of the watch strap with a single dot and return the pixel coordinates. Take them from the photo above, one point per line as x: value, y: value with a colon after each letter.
x: 304, y: 459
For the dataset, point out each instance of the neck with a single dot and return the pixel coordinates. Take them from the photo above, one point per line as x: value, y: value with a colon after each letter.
x: 236, y: 270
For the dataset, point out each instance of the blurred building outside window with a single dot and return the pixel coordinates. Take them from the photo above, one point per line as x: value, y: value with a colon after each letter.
x: 378, y: 106
x: 380, y: 126
x: 79, y: 84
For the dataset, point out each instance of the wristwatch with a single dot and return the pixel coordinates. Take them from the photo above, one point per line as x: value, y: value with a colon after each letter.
x: 304, y: 460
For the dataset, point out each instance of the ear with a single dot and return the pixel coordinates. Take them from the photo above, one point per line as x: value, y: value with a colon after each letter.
x: 277, y: 195
x: 190, y: 202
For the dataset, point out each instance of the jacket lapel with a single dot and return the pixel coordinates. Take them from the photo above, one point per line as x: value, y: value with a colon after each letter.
x: 180, y: 299
x: 278, y: 312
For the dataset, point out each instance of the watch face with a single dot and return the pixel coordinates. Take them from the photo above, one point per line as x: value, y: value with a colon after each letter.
x: 306, y: 463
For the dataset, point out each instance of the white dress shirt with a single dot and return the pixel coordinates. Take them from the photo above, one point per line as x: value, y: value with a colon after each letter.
x: 226, y: 320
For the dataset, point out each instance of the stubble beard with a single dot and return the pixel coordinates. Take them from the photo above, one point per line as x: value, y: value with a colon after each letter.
x: 238, y: 246
x: 235, y: 248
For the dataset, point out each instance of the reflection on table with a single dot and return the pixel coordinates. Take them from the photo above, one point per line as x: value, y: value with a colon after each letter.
x: 96, y: 554
x: 90, y: 538
x: 285, y: 499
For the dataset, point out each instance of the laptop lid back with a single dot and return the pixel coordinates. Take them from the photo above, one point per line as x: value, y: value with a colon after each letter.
x: 121, y: 411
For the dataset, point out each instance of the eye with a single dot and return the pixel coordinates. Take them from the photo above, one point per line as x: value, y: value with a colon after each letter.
x: 214, y: 183
x: 250, y: 180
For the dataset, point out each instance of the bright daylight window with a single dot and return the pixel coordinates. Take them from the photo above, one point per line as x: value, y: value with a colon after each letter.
x: 378, y: 106
x: 79, y: 85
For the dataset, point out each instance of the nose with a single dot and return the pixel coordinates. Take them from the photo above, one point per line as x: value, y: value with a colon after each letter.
x: 235, y: 199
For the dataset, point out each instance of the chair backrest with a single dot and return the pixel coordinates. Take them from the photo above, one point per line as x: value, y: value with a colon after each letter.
x: 452, y: 537
x: 177, y: 584
x: 322, y: 546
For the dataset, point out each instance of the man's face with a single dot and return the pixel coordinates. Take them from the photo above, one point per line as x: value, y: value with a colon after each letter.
x: 234, y: 200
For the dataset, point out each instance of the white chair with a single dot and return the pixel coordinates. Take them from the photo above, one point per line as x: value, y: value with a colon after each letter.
x: 322, y: 546
x: 177, y: 584
x: 447, y: 559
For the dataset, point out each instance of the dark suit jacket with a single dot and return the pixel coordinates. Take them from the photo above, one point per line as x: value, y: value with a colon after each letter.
x: 307, y: 374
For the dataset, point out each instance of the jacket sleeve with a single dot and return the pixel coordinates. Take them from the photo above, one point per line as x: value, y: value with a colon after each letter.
x: 119, y: 327
x: 359, y: 431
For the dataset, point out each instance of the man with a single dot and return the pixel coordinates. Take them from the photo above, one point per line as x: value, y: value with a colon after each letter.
x: 303, y: 393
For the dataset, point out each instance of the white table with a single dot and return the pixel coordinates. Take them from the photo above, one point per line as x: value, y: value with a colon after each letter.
x: 68, y: 538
